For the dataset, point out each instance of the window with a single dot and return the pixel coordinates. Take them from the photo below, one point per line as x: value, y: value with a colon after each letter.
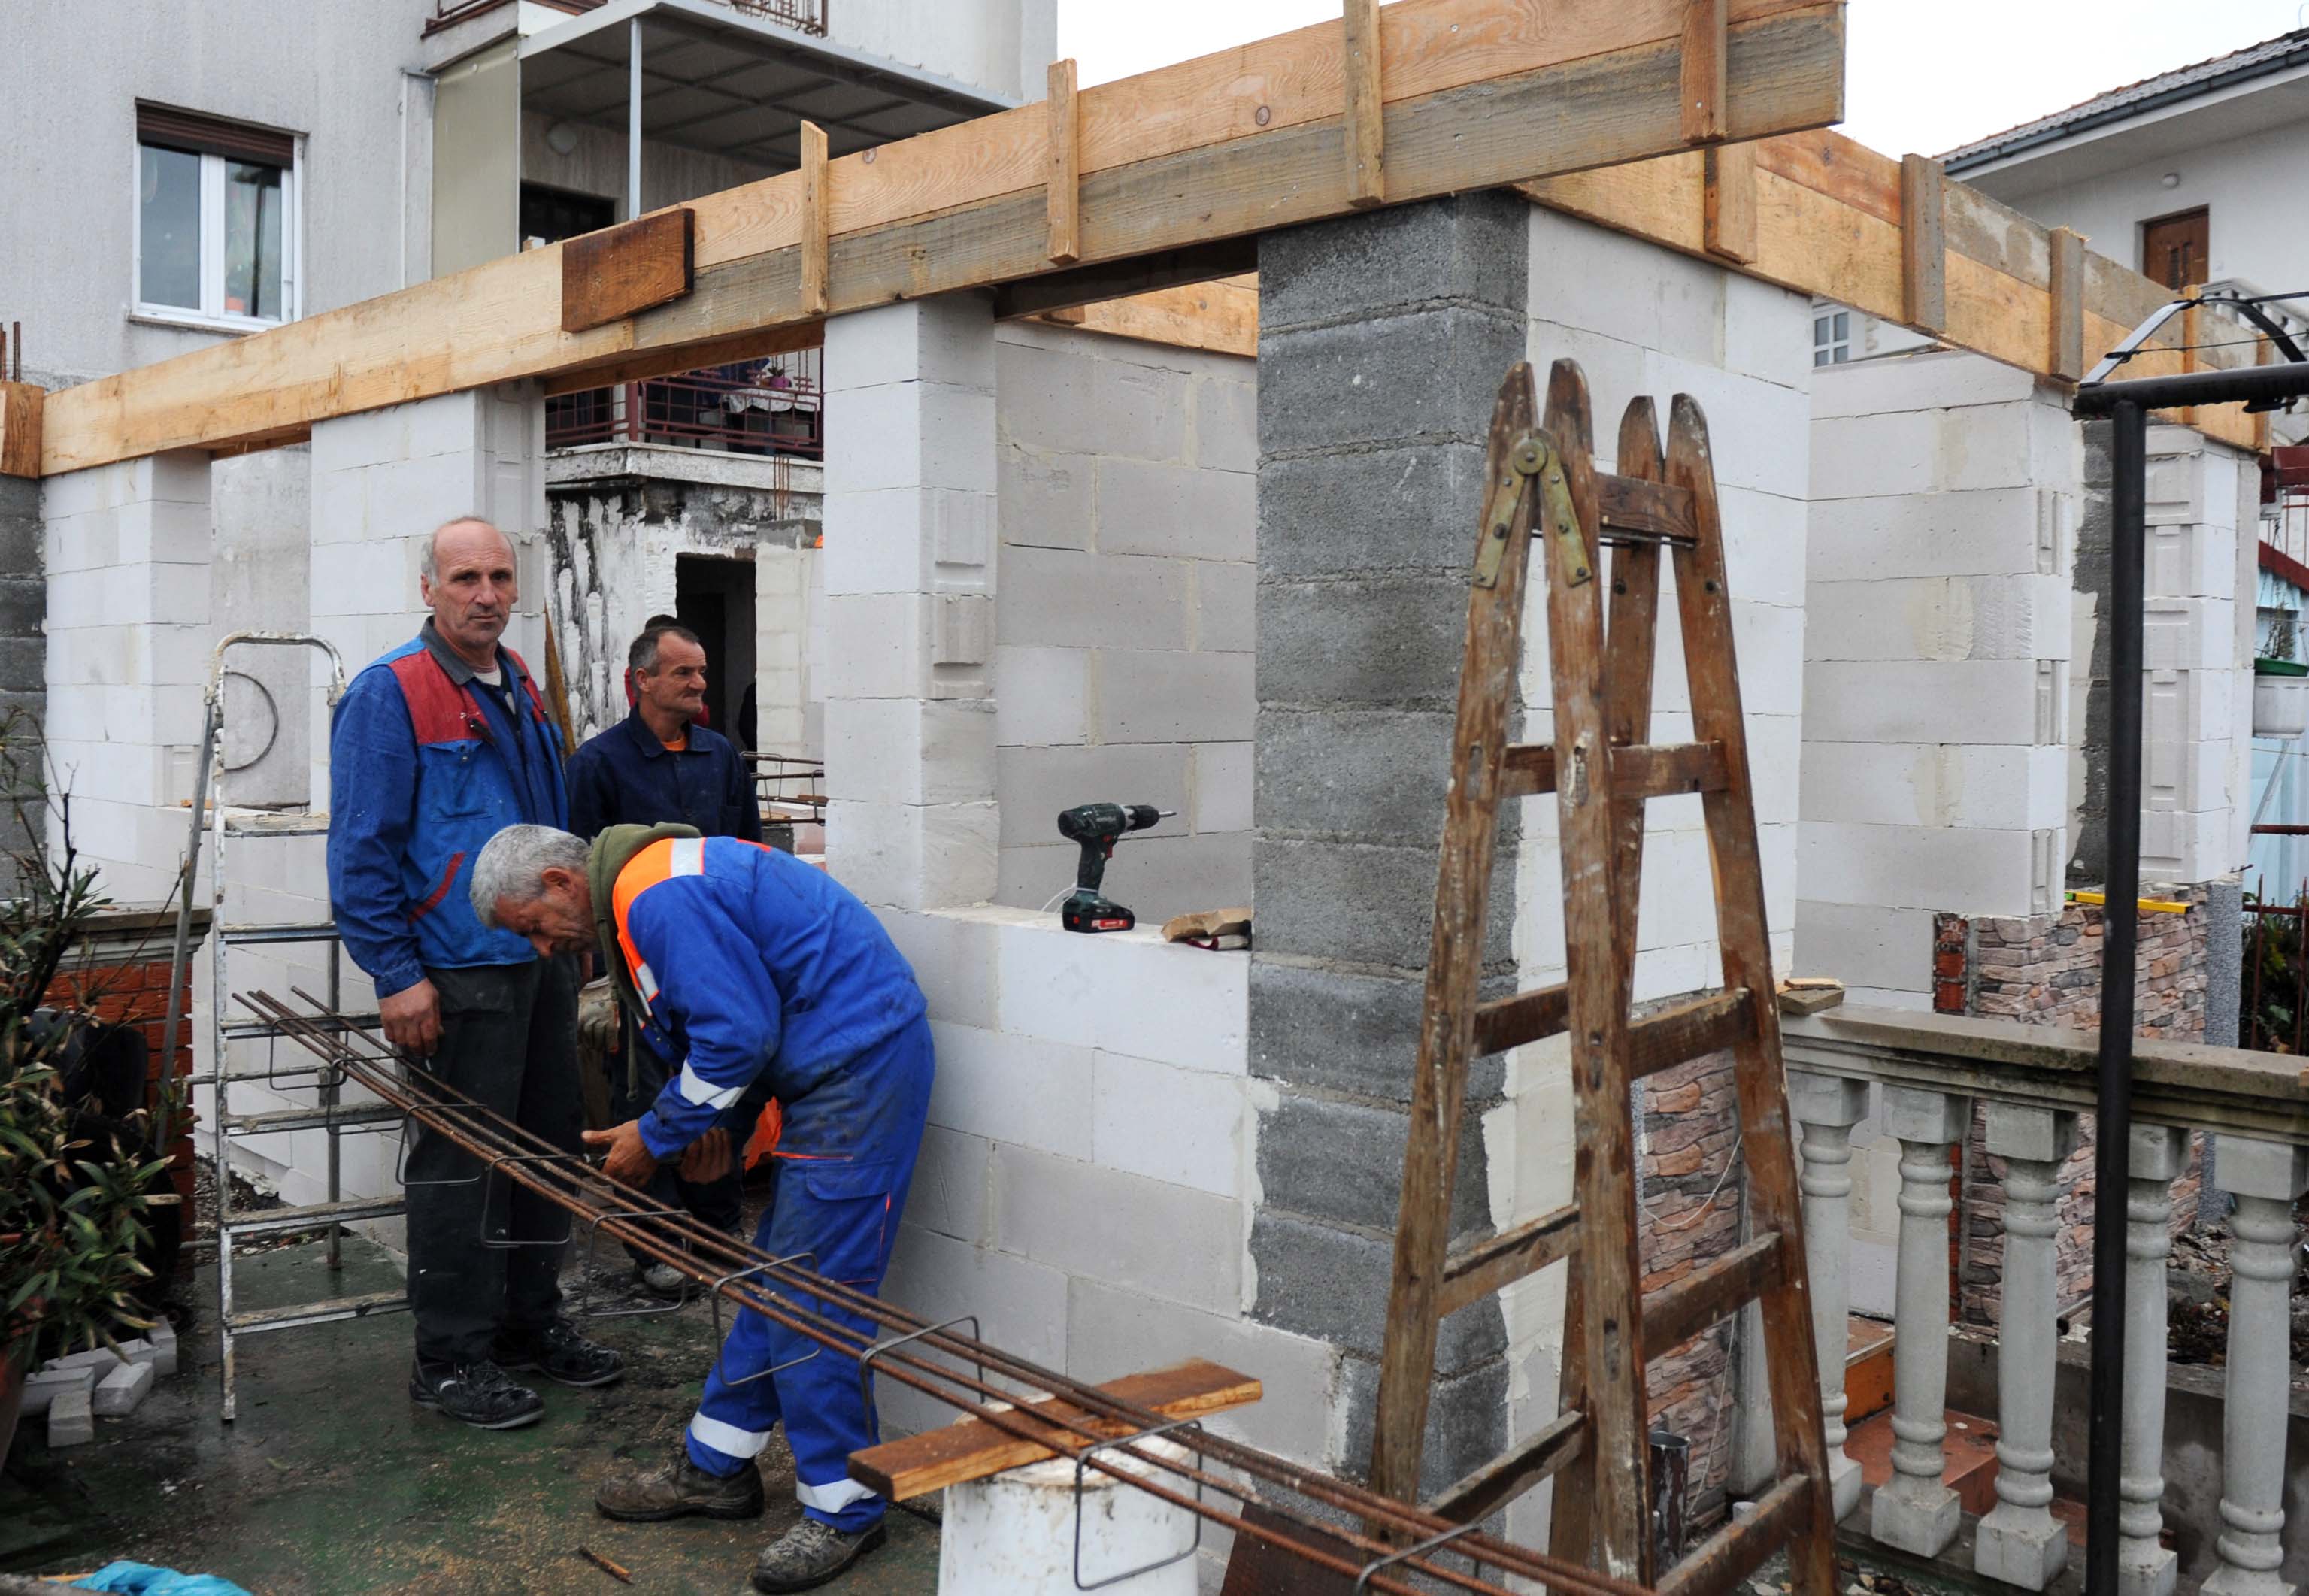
x: 216, y: 224
x: 1831, y: 338
x: 2174, y: 248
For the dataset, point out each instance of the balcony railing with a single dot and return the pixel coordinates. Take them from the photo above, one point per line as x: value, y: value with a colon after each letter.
x: 808, y: 16
x: 2284, y: 508
x: 1929, y: 1069
x: 759, y: 407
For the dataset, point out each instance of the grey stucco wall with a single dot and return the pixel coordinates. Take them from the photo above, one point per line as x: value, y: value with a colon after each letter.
x: 1382, y: 343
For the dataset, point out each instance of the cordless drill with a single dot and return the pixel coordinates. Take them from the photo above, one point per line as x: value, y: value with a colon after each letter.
x: 1096, y: 827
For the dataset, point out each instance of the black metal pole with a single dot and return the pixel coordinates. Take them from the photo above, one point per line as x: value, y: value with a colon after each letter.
x: 2120, y: 926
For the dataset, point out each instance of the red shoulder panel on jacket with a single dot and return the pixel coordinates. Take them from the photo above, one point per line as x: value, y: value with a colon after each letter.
x: 438, y: 709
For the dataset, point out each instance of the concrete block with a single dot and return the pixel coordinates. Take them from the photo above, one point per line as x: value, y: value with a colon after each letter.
x: 1984, y: 533
x: 1775, y: 762
x: 43, y: 1386
x: 907, y: 751
x: 1040, y: 695
x: 1826, y: 1099
x: 1951, y: 870
x: 1768, y: 643
x: 1466, y: 1420
x: 1226, y: 421
x: 120, y: 1392
x: 72, y: 1419
x: 1387, y: 379
x: 1939, y: 618
x: 1869, y: 456
x: 1111, y: 1332
x: 1588, y: 276
x: 1471, y: 248
x: 877, y: 646
x: 1069, y: 400
x: 1341, y: 1163
x: 1145, y: 1235
x: 1012, y: 1088
x: 1764, y: 333
x: 1163, y: 875
x: 1225, y: 616
x: 1034, y: 784
x: 1934, y: 701
x: 951, y: 1186
x: 1127, y: 992
x: 910, y: 434
x: 2256, y: 1168
x: 1375, y: 775
x: 1168, y: 697
x: 1332, y: 1284
x: 1985, y: 446
x: 1927, y: 380
x: 1059, y: 597
x: 913, y: 855
x: 1181, y: 511
x: 1393, y: 642
x: 2189, y: 634
x: 167, y: 532
x: 949, y: 338
x: 1348, y: 1030
x: 2000, y: 786
x: 1758, y: 433
x: 1382, y: 509
x: 2023, y: 1131
x: 1021, y: 1304
x: 102, y: 1360
x: 1356, y: 902
x: 1047, y: 500
x: 1222, y: 787
x: 1915, y: 1114
x: 1764, y: 545
x: 1185, y: 1126
x: 908, y: 540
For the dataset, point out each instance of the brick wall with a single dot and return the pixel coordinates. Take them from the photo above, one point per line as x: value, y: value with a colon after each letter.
x: 131, y: 988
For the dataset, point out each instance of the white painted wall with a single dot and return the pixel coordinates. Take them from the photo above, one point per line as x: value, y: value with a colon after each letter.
x: 1001, y: 47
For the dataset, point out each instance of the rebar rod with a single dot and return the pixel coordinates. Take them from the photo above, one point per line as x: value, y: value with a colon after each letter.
x: 576, y: 1185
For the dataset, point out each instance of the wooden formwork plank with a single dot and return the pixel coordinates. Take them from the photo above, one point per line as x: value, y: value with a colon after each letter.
x: 616, y: 273
x: 1062, y: 168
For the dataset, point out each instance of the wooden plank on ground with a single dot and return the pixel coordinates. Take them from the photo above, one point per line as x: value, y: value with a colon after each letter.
x: 1366, y: 127
x: 1062, y: 168
x: 609, y: 275
x: 973, y: 1449
x: 21, y: 406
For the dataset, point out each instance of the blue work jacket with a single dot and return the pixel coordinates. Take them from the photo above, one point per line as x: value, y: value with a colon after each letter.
x: 425, y: 766
x: 761, y: 971
x: 626, y: 777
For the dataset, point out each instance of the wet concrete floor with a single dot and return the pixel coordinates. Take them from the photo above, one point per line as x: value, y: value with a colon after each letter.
x: 329, y: 1481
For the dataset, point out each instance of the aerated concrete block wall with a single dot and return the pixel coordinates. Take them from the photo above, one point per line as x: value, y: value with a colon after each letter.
x: 1123, y: 656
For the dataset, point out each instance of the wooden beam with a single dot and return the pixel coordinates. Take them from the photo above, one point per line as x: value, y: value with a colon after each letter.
x: 1062, y: 200
x: 1476, y: 95
x: 1729, y: 172
x: 609, y: 275
x: 816, y: 212
x: 21, y: 406
x: 1221, y: 317
x: 973, y: 1449
x: 1924, y: 248
x: 1366, y: 108
x: 1119, y: 280
x: 758, y: 344
x: 1706, y: 70
x: 2064, y: 352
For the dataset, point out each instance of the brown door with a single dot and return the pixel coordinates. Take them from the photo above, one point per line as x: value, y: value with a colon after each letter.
x: 2173, y: 249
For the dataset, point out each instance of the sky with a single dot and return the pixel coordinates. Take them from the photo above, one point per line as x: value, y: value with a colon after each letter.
x: 1921, y: 75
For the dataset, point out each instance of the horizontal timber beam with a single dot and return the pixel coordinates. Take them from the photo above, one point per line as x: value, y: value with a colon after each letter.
x: 1476, y: 95
x: 1120, y: 280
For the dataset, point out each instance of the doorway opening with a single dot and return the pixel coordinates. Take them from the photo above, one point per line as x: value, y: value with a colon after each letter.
x: 713, y: 597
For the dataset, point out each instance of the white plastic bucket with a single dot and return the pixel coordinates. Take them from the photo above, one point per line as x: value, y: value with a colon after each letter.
x: 2280, y: 705
x: 1013, y: 1535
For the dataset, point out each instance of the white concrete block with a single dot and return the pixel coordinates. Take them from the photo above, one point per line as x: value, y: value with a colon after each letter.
x: 910, y: 434
x: 1939, y: 618
x: 908, y: 540
x: 1984, y: 446
x: 1145, y: 1235
x: 2001, y: 786
x: 1614, y: 368
x: 1186, y: 1127
x: 167, y: 532
x: 945, y: 339
x: 1986, y: 532
x: 1765, y: 329
x: 1963, y: 701
x: 876, y: 645
x: 1864, y: 945
x: 43, y: 1386
x: 1021, y: 1304
x: 1059, y: 597
x: 1173, y: 697
x: 1047, y: 500
x: 911, y: 856
x: 1225, y: 613
x: 1222, y: 787
x: 1928, y: 380
x: 1758, y: 433
x: 1586, y: 276
x: 953, y: 1185
x: 118, y: 1393
x: 1011, y: 1088
x: 953, y: 957
x: 2190, y: 634
x: 1176, y: 511
x: 1042, y: 696
x: 1127, y: 992
x: 1034, y: 784
x: 1764, y: 545
x: 909, y: 751
x: 1959, y: 870
x: 1226, y: 421
x: 1870, y: 456
x: 72, y: 1419
x: 2191, y: 560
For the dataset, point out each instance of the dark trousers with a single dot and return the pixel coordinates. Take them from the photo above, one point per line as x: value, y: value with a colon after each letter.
x: 636, y: 1075
x: 508, y: 1039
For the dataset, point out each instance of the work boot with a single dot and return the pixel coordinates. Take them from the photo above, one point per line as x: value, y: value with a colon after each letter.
x: 810, y: 1554
x: 478, y: 1393
x: 637, y: 1494
x: 662, y: 1280
x: 560, y: 1354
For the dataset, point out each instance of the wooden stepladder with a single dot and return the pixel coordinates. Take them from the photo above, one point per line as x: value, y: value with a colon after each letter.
x: 1543, y: 493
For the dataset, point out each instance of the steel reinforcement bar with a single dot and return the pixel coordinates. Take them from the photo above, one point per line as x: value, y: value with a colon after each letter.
x: 743, y: 1275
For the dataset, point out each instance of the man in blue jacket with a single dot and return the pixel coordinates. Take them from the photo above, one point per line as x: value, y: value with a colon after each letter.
x: 758, y: 972
x: 433, y: 749
x: 661, y: 764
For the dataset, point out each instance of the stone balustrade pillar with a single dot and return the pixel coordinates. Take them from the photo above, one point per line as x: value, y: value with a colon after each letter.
x: 2020, y: 1541
x: 2265, y: 1177
x: 1916, y: 1511
x: 2144, y: 1566
x: 1827, y: 1106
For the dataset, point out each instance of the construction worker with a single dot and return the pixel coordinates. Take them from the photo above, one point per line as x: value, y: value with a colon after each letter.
x: 433, y: 748
x: 760, y: 974
x: 662, y: 762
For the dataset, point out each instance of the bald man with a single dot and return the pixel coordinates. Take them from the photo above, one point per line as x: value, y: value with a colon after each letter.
x: 435, y: 747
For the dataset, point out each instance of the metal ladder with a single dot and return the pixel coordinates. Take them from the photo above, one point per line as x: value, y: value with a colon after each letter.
x: 1543, y: 492
x: 323, y: 1080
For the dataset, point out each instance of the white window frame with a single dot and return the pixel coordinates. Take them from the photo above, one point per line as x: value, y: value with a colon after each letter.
x: 1838, y: 350
x: 210, y: 312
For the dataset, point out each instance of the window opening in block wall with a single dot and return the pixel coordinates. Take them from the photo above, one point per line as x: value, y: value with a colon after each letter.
x: 215, y: 219
x: 1831, y: 338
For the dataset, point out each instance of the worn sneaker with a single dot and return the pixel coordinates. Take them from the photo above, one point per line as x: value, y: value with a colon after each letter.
x: 642, y: 1495
x: 478, y: 1393
x: 561, y: 1355
x: 810, y: 1554
x: 662, y: 1280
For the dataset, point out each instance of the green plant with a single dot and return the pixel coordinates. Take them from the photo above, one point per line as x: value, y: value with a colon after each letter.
x: 72, y: 1202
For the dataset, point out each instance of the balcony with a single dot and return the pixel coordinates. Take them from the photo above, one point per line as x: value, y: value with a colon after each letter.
x: 808, y: 16
x: 2185, y: 1516
x: 763, y: 408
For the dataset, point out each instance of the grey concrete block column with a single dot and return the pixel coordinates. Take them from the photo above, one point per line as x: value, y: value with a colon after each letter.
x: 1382, y: 343
x: 23, y: 609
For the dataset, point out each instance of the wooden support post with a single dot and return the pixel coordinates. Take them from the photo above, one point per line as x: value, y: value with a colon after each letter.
x: 1366, y: 134
x: 2065, y: 359
x: 815, y: 217
x: 1706, y: 57
x: 1730, y: 221
x: 616, y: 273
x: 2190, y: 319
x: 1924, y: 244
x: 20, y: 409
x: 1062, y: 172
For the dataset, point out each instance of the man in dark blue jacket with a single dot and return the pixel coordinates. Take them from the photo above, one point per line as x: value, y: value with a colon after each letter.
x: 659, y: 764
x: 433, y: 749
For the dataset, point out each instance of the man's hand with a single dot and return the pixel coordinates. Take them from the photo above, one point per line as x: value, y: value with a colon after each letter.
x: 630, y: 1162
x: 708, y: 1158
x: 412, y: 1018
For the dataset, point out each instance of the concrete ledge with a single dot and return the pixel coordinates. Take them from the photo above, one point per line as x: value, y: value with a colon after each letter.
x: 712, y: 467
